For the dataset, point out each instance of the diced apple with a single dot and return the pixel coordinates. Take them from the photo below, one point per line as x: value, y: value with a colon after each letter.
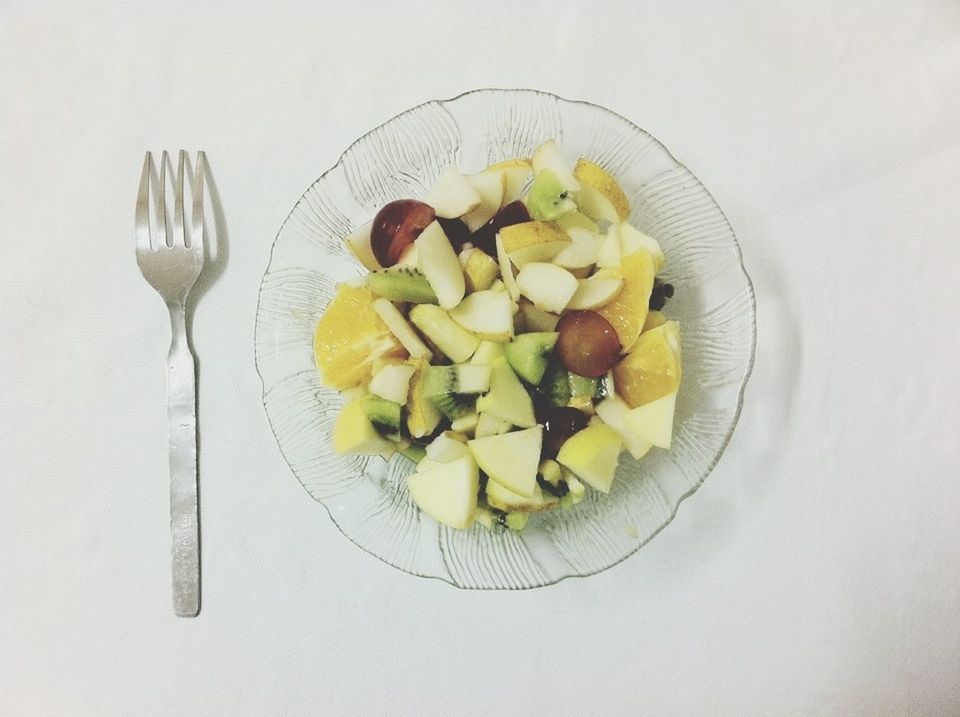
x: 440, y: 265
x: 592, y: 454
x: 453, y: 195
x: 583, y: 252
x: 489, y: 186
x: 400, y: 327
x: 537, y: 252
x: 392, y: 382
x: 479, y: 270
x: 354, y: 434
x: 613, y: 411
x: 507, y: 399
x: 547, y: 156
x: 358, y: 243
x: 448, y: 493
x: 490, y: 425
x: 511, y: 459
x: 446, y: 448
x: 632, y: 239
x: 465, y: 424
x: 548, y: 286
x: 447, y: 335
x: 595, y: 292
x: 595, y: 205
x: 536, y: 319
x: 506, y: 500
x: 487, y: 352
x: 517, y: 173
x: 609, y: 255
x: 488, y: 314
x: 506, y: 270
x: 653, y: 421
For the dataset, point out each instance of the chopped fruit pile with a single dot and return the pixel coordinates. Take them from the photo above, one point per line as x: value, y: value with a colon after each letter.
x: 508, y: 339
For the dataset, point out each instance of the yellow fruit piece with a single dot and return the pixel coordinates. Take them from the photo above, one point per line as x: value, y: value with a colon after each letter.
x: 627, y: 313
x: 652, y: 368
x: 349, y: 337
x: 586, y: 172
x: 518, y: 236
x: 654, y: 319
x: 516, y: 162
x: 422, y: 416
x: 479, y: 270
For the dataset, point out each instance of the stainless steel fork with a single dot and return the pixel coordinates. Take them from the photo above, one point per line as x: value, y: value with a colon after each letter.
x: 171, y: 260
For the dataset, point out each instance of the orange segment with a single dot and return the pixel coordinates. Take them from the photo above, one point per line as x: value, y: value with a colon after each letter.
x: 652, y: 368
x: 349, y: 337
x: 628, y: 311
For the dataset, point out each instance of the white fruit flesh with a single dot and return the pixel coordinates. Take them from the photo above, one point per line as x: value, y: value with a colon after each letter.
x: 515, y: 179
x: 544, y: 251
x: 440, y: 266
x: 446, y: 449
x: 609, y: 255
x: 486, y: 352
x: 595, y: 292
x: 489, y: 186
x: 653, y: 421
x: 354, y: 434
x: 506, y: 500
x: 506, y: 270
x: 613, y: 411
x: 595, y: 205
x: 358, y: 243
x: 401, y: 328
x: 536, y: 319
x: 453, y: 195
x: 465, y: 424
x: 583, y: 252
x: 448, y: 493
x: 511, y: 459
x: 489, y: 314
x: 548, y: 286
x: 392, y: 382
x: 435, y: 323
x: 507, y: 399
x: 490, y: 425
x: 632, y: 239
x: 547, y: 156
x: 592, y: 454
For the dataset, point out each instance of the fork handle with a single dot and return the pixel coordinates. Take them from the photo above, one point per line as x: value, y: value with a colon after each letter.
x: 182, y: 424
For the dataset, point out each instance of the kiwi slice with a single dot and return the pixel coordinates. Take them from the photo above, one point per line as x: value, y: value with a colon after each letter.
x: 383, y: 414
x: 583, y: 386
x: 548, y: 198
x: 529, y: 354
x: 454, y: 389
x: 554, y: 387
x: 401, y: 283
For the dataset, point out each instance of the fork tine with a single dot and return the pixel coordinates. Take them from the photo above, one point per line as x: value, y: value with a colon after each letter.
x: 179, y: 237
x: 162, y: 200
x: 142, y: 223
x: 196, y: 216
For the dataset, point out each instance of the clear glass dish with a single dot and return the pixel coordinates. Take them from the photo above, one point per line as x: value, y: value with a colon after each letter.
x: 366, y: 496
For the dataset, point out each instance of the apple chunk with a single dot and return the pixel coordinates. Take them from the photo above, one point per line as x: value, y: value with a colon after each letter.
x: 489, y: 187
x: 548, y: 286
x: 440, y: 265
x: 511, y: 459
x: 488, y: 314
x: 447, y: 492
x: 453, y: 195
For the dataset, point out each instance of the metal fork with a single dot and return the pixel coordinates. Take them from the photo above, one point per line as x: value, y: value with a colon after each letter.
x: 171, y: 261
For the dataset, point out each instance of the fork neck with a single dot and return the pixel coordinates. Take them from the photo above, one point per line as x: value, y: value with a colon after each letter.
x: 178, y: 325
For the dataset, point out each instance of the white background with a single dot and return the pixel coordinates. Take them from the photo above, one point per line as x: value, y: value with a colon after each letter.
x: 816, y: 571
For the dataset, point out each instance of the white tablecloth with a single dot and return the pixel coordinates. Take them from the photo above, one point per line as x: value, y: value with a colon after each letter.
x: 816, y: 571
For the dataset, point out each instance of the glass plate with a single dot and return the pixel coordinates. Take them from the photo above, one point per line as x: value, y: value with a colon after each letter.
x: 367, y: 496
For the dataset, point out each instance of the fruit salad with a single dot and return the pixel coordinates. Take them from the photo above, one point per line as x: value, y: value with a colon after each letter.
x: 508, y: 339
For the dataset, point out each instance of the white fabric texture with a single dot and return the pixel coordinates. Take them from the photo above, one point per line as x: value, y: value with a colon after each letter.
x: 815, y: 572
